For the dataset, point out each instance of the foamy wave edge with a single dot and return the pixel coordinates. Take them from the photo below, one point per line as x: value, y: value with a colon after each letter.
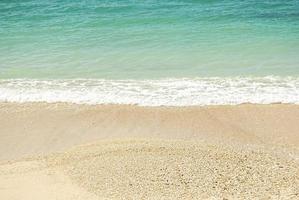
x: 163, y: 92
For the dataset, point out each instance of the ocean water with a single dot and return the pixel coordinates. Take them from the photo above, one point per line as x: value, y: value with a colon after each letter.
x: 151, y: 52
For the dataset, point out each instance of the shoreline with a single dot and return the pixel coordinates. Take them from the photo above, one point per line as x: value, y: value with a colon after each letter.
x: 146, y: 92
x: 3, y: 103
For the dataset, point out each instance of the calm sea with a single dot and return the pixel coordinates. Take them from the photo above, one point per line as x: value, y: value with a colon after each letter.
x: 150, y: 52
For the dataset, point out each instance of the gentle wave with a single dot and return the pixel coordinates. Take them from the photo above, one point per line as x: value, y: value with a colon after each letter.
x: 167, y: 92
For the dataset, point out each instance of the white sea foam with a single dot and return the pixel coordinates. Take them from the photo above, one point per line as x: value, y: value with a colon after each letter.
x: 168, y: 92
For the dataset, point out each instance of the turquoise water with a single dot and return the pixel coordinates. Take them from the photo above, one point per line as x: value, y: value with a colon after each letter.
x: 148, y: 39
x: 150, y: 52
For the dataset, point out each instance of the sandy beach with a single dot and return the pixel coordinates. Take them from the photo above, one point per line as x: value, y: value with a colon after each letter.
x: 149, y: 100
x: 69, y: 151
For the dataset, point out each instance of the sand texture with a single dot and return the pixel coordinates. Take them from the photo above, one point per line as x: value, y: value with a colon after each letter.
x: 60, y: 151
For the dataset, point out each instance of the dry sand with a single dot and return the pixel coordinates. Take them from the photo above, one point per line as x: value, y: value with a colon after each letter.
x: 214, y: 152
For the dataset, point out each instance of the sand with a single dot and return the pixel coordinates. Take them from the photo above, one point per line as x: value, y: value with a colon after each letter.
x: 68, y: 151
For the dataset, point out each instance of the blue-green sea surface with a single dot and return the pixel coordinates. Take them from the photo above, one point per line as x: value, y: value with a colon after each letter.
x: 148, y: 39
x: 150, y: 52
